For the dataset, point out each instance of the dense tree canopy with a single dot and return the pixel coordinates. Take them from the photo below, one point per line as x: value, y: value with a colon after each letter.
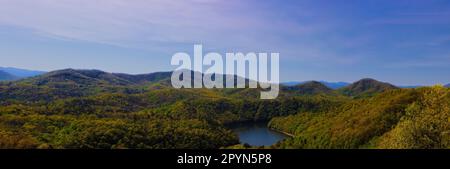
x: 407, y: 118
x: 94, y: 109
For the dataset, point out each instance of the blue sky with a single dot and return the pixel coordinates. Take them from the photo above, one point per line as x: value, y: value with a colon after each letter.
x: 405, y: 42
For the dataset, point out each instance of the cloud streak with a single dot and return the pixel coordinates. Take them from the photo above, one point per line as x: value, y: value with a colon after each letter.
x: 161, y: 25
x: 116, y: 21
x: 141, y: 22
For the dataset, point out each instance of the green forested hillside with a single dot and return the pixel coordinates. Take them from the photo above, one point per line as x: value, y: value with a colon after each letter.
x: 366, y: 87
x: 94, y: 109
x: 308, y: 88
x: 406, y: 118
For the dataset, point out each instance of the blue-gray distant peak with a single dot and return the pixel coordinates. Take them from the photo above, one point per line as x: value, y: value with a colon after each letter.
x: 332, y: 85
x: 21, y: 73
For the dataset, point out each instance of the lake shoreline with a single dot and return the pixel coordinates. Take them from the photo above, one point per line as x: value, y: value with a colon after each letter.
x: 258, y: 133
x: 279, y: 131
x: 248, y: 122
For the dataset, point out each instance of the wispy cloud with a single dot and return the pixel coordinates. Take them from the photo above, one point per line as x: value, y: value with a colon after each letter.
x: 145, y: 22
x: 119, y: 21
x: 162, y: 25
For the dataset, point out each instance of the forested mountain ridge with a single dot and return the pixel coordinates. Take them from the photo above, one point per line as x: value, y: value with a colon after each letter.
x: 308, y: 88
x: 366, y: 87
x: 69, y: 83
x: 94, y: 77
x: 95, y: 109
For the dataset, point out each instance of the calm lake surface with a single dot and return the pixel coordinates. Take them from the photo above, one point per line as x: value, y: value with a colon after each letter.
x: 257, y: 134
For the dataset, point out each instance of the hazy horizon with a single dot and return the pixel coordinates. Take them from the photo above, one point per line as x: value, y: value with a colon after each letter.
x: 292, y: 81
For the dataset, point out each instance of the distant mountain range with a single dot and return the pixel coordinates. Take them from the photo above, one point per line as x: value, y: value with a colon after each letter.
x: 417, y: 86
x: 337, y: 85
x: 332, y: 85
x: 411, y: 86
x: 6, y: 76
x: 10, y: 73
x: 81, y: 82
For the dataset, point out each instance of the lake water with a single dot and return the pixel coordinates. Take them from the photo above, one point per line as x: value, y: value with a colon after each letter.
x: 257, y: 134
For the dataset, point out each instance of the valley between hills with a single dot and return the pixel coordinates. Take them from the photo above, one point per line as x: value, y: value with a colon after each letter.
x: 91, y: 109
